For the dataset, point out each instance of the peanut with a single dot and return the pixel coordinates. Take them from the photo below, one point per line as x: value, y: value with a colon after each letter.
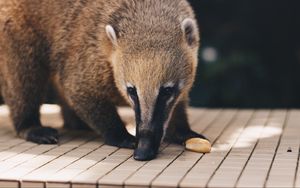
x: 198, y: 145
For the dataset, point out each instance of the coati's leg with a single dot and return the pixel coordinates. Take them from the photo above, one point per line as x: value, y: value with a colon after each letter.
x: 24, y: 78
x: 179, y: 130
x: 23, y: 93
x: 101, y: 115
x: 71, y: 120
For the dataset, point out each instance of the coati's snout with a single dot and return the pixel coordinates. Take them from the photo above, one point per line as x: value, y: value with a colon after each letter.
x: 152, y: 111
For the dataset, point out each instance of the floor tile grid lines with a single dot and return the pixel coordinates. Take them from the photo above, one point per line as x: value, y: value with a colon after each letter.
x: 15, y: 150
x: 224, y: 120
x: 56, y: 179
x: 18, y: 140
x: 34, y: 146
x: 242, y: 126
x: 278, y: 143
x: 1, y: 174
x: 10, y: 174
x: 78, y: 181
x: 190, y: 179
x: 98, y: 146
x: 247, y: 178
x: 267, y: 146
x: 14, y: 181
x: 104, y: 181
x: 20, y: 158
x: 251, y: 153
x: 179, y: 177
x: 285, y: 162
x: 7, y: 145
x: 221, y: 124
x: 31, y: 175
x: 187, y: 181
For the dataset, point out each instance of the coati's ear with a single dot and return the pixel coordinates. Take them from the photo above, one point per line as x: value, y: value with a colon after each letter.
x: 190, y: 31
x: 111, y: 34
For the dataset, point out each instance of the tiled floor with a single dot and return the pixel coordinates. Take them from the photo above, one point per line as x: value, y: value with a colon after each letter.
x: 251, y: 148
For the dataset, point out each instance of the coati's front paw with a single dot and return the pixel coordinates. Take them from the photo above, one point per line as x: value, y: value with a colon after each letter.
x: 42, y: 135
x: 127, y: 141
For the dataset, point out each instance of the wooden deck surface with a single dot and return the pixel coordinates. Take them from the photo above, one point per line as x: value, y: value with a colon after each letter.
x: 251, y: 148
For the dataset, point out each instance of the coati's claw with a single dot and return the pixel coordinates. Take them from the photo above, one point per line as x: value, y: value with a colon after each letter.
x: 198, y: 145
x: 42, y: 135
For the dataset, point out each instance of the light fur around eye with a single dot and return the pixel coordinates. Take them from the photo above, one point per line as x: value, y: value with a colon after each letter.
x: 169, y: 84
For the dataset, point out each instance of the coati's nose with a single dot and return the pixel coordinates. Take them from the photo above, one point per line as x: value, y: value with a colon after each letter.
x: 145, y: 150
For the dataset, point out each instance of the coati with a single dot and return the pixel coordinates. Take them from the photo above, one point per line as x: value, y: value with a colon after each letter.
x: 96, y: 53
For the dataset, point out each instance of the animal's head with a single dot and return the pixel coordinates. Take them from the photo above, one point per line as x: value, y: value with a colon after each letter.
x: 154, y: 72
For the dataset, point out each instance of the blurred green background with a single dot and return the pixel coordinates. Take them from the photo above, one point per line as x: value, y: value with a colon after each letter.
x: 250, y: 54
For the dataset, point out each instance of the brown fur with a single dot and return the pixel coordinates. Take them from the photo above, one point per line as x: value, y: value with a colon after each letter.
x: 63, y: 43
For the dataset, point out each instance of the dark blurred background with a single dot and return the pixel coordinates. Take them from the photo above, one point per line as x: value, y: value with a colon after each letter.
x: 250, y: 54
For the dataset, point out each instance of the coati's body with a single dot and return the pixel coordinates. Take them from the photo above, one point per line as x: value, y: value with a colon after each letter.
x: 96, y: 53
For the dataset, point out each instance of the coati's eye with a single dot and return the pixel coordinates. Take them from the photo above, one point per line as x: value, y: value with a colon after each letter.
x: 131, y: 92
x: 167, y: 91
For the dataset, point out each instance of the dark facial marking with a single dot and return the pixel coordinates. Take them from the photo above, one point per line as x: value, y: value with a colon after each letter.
x: 149, y: 136
x: 162, y: 109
